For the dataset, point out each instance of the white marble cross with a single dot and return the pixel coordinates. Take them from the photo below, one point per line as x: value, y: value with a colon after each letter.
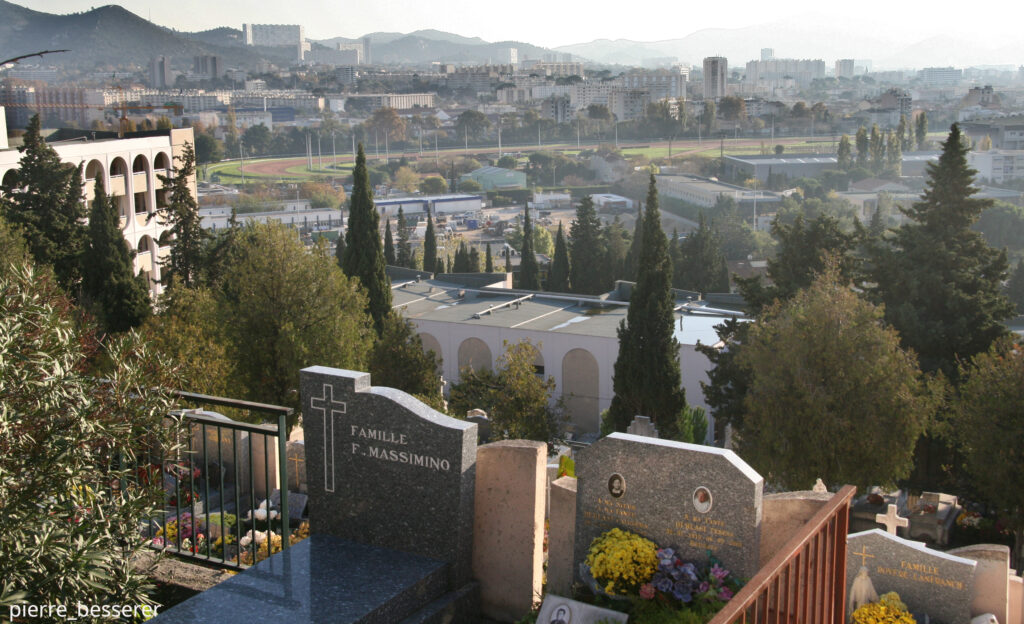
x: 891, y: 519
x: 325, y: 404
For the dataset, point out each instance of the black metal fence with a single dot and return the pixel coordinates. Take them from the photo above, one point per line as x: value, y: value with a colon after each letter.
x: 222, y: 469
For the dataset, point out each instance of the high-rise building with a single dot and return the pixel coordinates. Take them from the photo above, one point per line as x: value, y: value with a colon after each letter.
x: 845, y: 68
x: 940, y: 76
x: 716, y: 73
x: 767, y: 54
x: 276, y: 35
x: 160, y: 73
x: 367, y: 57
x: 513, y: 56
x: 209, y: 66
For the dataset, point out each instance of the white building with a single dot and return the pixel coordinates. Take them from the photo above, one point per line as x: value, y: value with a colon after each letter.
x: 438, y: 204
x: 997, y: 165
x: 575, y: 337
x: 129, y: 168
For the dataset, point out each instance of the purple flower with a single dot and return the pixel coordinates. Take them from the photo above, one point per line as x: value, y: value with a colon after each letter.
x: 661, y: 582
x: 718, y: 572
x: 647, y: 591
x: 665, y: 553
x: 689, y: 570
x: 704, y: 587
x: 725, y: 594
x: 683, y: 590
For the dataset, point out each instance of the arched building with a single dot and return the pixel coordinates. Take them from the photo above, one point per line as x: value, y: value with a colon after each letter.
x: 576, y: 339
x: 130, y: 169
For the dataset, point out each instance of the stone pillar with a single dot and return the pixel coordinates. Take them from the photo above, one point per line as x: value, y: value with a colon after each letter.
x: 561, y: 536
x: 508, y: 527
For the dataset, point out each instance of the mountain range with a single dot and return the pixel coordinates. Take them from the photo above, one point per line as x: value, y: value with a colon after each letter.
x: 112, y: 36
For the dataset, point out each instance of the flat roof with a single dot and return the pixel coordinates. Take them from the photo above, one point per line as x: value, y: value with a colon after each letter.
x: 826, y: 160
x: 435, y: 300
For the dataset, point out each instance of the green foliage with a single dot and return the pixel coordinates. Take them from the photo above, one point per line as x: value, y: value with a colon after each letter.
x: 489, y: 260
x: 181, y: 216
x: 585, y: 250
x: 403, y: 252
x: 13, y: 248
x: 988, y: 424
x: 921, y: 130
x: 831, y: 392
x: 433, y: 185
x: 283, y: 308
x: 1002, y: 225
x: 469, y: 185
x: 364, y: 258
x: 636, y: 245
x: 110, y: 288
x: 647, y: 380
x: 939, y: 281
x: 701, y: 266
x: 862, y: 147
x: 389, y: 245
x: 653, y: 612
x: 430, y: 247
x: 507, y: 162
x: 558, y: 276
x: 529, y: 272
x: 1015, y: 287
x: 728, y: 380
x: 44, y: 202
x: 515, y: 398
x: 68, y: 536
x: 398, y: 360
x: 845, y: 154
x: 691, y: 425
x: 566, y: 466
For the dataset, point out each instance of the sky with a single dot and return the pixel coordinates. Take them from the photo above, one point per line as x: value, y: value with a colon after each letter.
x: 550, y: 24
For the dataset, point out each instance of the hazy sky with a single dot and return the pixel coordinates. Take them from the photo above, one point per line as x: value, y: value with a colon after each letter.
x: 547, y: 23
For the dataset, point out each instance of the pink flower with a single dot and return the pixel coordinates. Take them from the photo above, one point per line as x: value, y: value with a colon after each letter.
x: 725, y: 594
x: 719, y: 572
x: 647, y: 591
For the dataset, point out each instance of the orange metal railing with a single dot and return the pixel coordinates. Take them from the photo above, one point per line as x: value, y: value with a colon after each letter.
x: 805, y: 582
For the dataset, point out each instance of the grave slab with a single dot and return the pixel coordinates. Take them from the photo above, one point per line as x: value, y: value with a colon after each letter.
x: 385, y: 469
x: 320, y: 579
x: 928, y: 581
x: 691, y: 497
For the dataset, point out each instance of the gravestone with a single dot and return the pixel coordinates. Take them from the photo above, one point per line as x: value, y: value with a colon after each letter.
x: 690, y: 497
x: 483, y: 423
x: 559, y: 610
x: 928, y: 581
x: 296, y: 456
x: 387, y: 470
x: 642, y: 426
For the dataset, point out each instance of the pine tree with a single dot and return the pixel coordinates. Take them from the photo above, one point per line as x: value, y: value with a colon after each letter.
x: 586, y: 251
x: 702, y: 262
x: 647, y: 380
x: 44, y: 201
x: 403, y: 254
x: 940, y: 281
x: 430, y: 259
x: 389, y: 244
x: 636, y: 247
x: 529, y: 273
x: 118, y: 298
x: 181, y: 216
x: 558, y: 276
x: 489, y: 260
x: 364, y: 258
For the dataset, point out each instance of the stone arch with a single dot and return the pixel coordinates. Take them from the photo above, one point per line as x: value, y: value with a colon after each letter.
x: 93, y: 170
x: 118, y: 167
x: 162, y: 162
x: 430, y: 343
x: 538, y: 359
x: 580, y: 389
x: 475, y: 354
x: 140, y: 164
x: 119, y: 185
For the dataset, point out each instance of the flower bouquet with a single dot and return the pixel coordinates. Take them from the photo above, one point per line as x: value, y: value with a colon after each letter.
x: 620, y: 562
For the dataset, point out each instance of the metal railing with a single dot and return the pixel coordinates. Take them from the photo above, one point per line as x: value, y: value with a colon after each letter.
x: 805, y: 582
x: 199, y: 468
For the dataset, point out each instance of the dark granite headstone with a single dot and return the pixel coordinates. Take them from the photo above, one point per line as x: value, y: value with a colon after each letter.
x: 690, y: 497
x: 928, y: 581
x: 385, y: 469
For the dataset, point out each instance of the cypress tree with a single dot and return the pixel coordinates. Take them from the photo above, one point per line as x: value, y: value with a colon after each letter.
x: 558, y: 277
x: 461, y: 263
x: 474, y: 260
x: 636, y: 246
x: 430, y: 259
x: 364, y: 258
x: 439, y: 266
x: 647, y: 380
x: 448, y: 264
x: 862, y: 143
x: 403, y: 254
x: 389, y: 244
x: 940, y: 281
x: 118, y: 298
x: 489, y: 260
x: 508, y: 260
x: 44, y: 201
x: 339, y: 249
x: 529, y: 273
x: 921, y: 130
x: 181, y: 215
x: 586, y: 250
